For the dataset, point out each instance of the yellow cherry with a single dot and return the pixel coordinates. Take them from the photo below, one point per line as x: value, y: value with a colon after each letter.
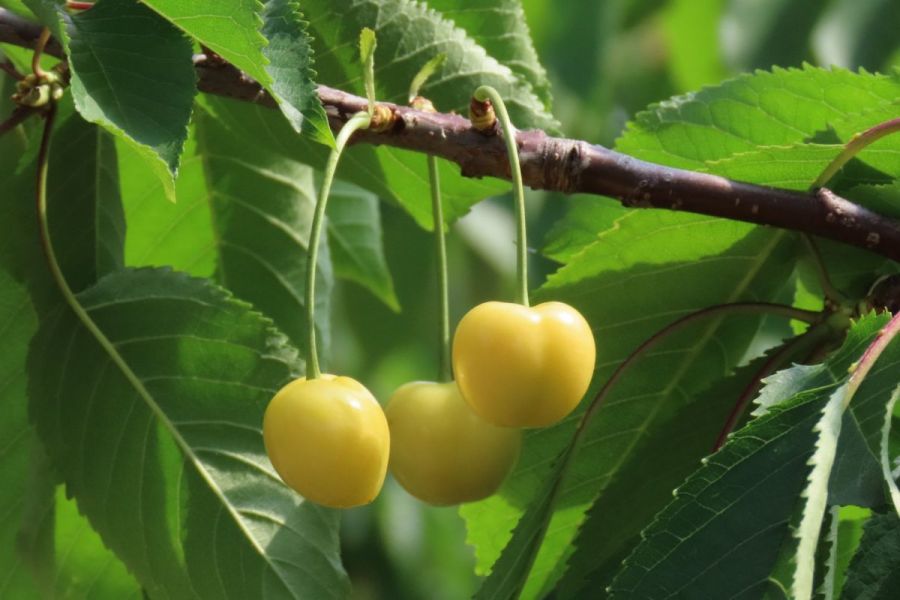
x: 523, y: 367
x: 441, y: 452
x: 328, y: 439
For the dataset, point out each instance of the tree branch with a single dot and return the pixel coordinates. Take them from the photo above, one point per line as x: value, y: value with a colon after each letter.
x: 560, y: 164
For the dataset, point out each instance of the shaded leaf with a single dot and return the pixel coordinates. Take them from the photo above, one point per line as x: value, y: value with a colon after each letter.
x: 138, y: 86
x: 290, y: 66
x: 617, y: 284
x: 874, y: 573
x: 750, y: 488
x: 395, y: 175
x: 262, y: 206
x: 230, y: 28
x: 499, y: 26
x: 354, y: 237
x: 186, y: 470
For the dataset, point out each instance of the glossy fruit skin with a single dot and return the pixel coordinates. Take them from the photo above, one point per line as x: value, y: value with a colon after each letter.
x: 441, y: 452
x: 328, y: 439
x: 523, y: 367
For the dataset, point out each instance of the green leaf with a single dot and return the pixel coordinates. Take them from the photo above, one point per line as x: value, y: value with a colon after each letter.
x: 262, y: 205
x: 628, y: 290
x: 85, y: 567
x: 17, y: 325
x: 409, y: 34
x: 186, y: 472
x: 230, y: 28
x: 850, y: 532
x: 776, y: 108
x: 354, y: 237
x: 587, y: 218
x: 46, y: 547
x: 161, y: 233
x: 138, y: 86
x: 290, y: 66
x: 499, y: 26
x: 600, y: 547
x: 19, y: 7
x: 875, y: 570
x: 395, y: 175
x: 367, y: 44
x: 84, y: 211
x: 86, y: 220
x: 827, y: 430
x: 887, y: 463
x: 692, y: 32
x: 763, y: 465
x: 749, y: 488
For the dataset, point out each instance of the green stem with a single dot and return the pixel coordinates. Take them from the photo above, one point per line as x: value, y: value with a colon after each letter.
x: 831, y: 293
x: 856, y: 144
x: 55, y: 270
x: 358, y: 121
x: 483, y: 93
x: 440, y: 246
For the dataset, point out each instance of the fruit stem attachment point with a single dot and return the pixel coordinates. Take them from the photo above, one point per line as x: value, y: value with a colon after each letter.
x: 445, y: 373
x: 487, y: 93
x: 360, y: 120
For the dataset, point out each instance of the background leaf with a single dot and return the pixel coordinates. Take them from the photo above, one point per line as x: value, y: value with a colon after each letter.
x: 262, y: 206
x: 875, y: 570
x: 499, y: 26
x: 187, y: 467
x: 750, y: 487
x: 138, y: 86
x: 354, y: 237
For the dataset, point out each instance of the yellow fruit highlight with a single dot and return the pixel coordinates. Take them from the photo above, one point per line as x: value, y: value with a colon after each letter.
x: 523, y: 367
x: 442, y: 452
x: 328, y: 439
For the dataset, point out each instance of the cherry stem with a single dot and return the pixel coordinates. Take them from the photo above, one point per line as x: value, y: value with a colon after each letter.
x: 853, y: 147
x: 777, y: 360
x: 482, y: 94
x: 445, y: 371
x: 55, y: 270
x: 360, y: 120
x: 831, y: 293
x: 39, y: 51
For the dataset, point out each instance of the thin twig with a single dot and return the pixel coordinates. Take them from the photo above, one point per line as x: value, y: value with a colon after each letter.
x: 11, y: 69
x: 831, y: 293
x: 18, y: 116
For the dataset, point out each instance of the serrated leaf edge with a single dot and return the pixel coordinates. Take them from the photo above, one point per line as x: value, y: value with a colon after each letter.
x: 828, y: 429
